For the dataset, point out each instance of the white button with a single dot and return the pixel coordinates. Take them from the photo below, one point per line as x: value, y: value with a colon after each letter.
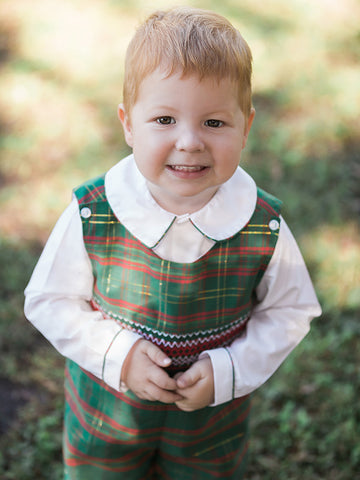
x: 85, y: 212
x: 274, y: 225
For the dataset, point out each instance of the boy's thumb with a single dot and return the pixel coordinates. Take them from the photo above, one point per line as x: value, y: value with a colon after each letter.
x: 187, y: 379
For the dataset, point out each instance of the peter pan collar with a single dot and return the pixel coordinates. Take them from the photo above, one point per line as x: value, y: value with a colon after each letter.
x: 223, y: 216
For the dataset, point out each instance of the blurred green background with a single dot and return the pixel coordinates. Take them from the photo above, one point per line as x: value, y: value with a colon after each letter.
x: 61, y: 67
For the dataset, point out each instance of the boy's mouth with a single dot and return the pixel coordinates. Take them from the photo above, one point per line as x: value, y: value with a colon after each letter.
x: 186, y: 168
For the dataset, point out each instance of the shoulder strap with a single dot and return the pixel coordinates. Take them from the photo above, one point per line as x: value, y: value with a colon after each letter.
x: 269, y: 202
x: 91, y: 191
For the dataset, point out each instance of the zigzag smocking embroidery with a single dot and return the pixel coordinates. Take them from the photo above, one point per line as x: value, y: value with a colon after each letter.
x: 203, y: 334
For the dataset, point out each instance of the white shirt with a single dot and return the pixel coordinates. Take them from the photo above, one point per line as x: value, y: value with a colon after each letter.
x: 58, y: 294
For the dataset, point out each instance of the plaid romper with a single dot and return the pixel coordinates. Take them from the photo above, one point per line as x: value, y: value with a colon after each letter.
x: 183, y: 308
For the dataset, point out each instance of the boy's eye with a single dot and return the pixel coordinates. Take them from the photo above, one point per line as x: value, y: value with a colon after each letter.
x: 214, y: 123
x: 165, y: 120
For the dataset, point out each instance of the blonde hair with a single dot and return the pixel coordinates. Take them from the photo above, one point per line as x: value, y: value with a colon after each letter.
x: 193, y: 41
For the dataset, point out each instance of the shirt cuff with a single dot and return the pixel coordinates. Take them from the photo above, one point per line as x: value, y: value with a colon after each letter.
x: 115, y: 356
x: 224, y: 375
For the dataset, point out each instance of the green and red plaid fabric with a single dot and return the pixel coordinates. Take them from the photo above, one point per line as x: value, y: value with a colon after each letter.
x: 184, y: 309
x: 115, y: 436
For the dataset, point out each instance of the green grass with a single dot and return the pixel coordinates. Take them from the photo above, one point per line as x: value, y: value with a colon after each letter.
x: 59, y: 88
x: 306, y: 419
x: 31, y: 447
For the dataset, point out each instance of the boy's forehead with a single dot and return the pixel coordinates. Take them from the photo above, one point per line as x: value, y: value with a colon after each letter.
x: 160, y: 90
x: 157, y: 75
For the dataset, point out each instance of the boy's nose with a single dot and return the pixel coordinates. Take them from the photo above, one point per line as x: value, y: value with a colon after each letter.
x: 189, y: 141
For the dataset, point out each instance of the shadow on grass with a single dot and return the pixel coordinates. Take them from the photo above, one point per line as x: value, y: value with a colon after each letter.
x: 305, y: 421
x: 30, y: 380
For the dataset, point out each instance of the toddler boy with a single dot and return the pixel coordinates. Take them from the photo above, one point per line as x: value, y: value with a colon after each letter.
x: 172, y: 284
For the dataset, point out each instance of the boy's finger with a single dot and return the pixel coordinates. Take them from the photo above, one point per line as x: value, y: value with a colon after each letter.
x: 157, y: 355
x: 188, y: 378
x: 161, y: 379
x: 157, y: 394
x: 184, y: 406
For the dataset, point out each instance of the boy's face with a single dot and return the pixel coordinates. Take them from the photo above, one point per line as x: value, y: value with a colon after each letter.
x: 187, y: 135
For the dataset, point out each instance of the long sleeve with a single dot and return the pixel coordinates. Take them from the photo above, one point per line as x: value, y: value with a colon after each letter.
x: 57, y: 304
x: 281, y: 319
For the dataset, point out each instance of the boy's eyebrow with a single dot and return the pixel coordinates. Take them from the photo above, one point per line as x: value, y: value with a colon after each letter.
x: 162, y: 107
x: 172, y: 109
x: 220, y: 112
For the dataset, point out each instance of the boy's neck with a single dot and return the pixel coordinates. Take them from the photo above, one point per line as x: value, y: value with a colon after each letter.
x: 183, y: 205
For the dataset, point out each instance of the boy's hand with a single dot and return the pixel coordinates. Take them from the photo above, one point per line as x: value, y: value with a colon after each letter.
x: 196, y: 386
x: 143, y: 373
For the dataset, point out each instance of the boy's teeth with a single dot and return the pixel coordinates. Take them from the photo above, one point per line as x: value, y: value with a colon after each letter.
x: 184, y: 168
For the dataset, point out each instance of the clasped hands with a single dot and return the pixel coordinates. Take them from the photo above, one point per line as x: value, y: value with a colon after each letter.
x: 144, y: 374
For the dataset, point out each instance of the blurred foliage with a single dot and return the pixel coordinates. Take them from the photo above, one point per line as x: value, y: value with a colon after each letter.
x: 61, y: 67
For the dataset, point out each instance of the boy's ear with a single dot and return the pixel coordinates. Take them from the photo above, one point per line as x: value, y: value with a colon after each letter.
x: 248, y: 126
x: 125, y: 121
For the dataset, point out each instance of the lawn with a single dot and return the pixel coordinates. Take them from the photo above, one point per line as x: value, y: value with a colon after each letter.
x: 61, y: 67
